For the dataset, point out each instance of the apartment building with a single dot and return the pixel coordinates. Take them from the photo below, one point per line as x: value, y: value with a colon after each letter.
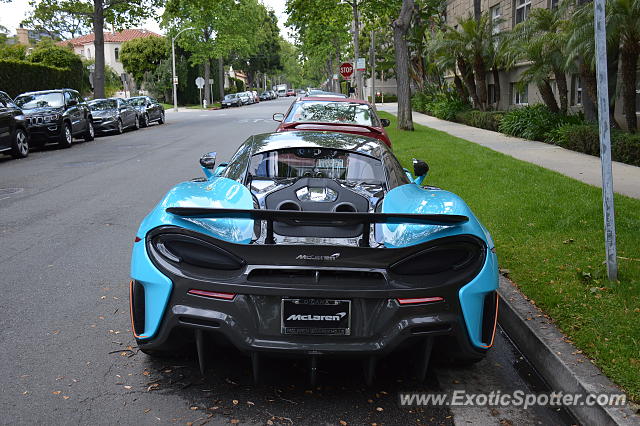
x: 506, y: 14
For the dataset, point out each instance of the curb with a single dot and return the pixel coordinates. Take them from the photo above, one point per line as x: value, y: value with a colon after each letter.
x: 559, y: 362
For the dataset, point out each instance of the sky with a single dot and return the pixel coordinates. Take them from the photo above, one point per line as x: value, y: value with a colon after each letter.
x: 12, y: 13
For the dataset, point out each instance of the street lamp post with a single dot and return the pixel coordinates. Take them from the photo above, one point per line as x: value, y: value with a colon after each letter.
x: 173, y: 67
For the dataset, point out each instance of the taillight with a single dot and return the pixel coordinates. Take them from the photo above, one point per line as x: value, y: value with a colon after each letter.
x: 212, y: 294
x: 180, y: 248
x: 417, y: 300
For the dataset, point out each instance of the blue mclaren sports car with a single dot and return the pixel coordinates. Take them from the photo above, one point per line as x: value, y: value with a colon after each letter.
x: 314, y: 244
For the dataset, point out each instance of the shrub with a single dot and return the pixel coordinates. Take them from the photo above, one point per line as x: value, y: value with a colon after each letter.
x: 534, y: 122
x: 625, y: 147
x: 17, y: 77
x: 387, y: 98
x: 489, y: 120
x: 447, y: 107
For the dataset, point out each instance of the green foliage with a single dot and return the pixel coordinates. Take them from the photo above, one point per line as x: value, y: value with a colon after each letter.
x: 47, y: 53
x: 442, y: 103
x: 142, y: 55
x: 489, y: 120
x: 240, y: 87
x: 625, y: 147
x: 60, y: 19
x: 14, y: 51
x: 533, y: 122
x: 22, y: 76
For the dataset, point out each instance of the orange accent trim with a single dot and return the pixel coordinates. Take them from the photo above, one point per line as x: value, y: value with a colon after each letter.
x: 495, y: 324
x: 133, y: 328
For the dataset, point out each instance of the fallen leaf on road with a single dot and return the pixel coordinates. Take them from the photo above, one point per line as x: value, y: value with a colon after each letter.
x: 379, y: 409
x: 56, y: 392
x: 65, y: 397
x: 235, y: 421
x: 193, y: 408
x: 250, y: 403
x: 146, y: 410
x: 127, y: 387
x: 235, y: 402
x: 343, y: 423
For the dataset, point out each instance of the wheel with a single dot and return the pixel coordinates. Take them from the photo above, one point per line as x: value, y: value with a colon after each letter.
x: 119, y: 129
x: 136, y: 123
x: 145, y: 120
x: 66, y: 137
x: 90, y: 134
x: 20, y: 145
x: 161, y: 119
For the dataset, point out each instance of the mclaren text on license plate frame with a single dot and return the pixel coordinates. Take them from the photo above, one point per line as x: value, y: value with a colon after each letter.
x: 317, y: 308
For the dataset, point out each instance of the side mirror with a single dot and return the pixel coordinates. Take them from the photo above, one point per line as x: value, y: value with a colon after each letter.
x: 420, y: 170
x: 208, y: 162
x: 278, y: 116
x: 148, y: 105
x: 385, y: 122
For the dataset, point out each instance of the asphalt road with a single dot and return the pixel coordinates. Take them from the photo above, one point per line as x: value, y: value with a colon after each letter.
x: 67, y: 223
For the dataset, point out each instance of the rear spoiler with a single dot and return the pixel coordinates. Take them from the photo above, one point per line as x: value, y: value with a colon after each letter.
x: 330, y: 124
x: 300, y: 218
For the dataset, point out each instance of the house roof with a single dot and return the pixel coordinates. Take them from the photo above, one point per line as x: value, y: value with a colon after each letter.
x: 111, y: 37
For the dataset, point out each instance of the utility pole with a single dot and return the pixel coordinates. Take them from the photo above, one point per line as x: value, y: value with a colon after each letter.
x: 605, y: 139
x: 372, y: 61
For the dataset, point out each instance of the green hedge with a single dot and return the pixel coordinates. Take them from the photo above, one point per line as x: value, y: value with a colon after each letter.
x: 17, y: 77
x: 534, y: 122
x: 489, y: 120
x: 625, y: 147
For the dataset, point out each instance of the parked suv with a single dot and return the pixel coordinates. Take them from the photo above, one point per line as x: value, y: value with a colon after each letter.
x: 56, y: 116
x: 149, y: 110
x: 14, y: 138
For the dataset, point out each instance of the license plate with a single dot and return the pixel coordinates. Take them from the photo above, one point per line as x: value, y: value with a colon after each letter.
x: 316, y: 317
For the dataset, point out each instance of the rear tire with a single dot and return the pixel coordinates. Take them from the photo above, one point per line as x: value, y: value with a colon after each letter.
x: 90, y: 134
x: 20, y: 144
x: 66, y: 137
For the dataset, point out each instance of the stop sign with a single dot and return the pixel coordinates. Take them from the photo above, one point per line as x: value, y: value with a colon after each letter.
x: 346, y: 69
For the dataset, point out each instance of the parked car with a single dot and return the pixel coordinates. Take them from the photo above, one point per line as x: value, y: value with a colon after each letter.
x: 265, y: 96
x: 314, y: 244
x: 149, y: 110
x: 56, y: 116
x: 245, y: 99
x: 14, y: 136
x: 232, y: 99
x: 317, y: 93
x: 114, y: 115
x: 334, y: 114
x: 291, y: 92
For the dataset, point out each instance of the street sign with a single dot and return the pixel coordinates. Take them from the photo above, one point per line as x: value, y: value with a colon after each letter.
x: 346, y: 69
x: 200, y: 82
x: 360, y: 64
x: 335, y: 76
x: 175, y: 80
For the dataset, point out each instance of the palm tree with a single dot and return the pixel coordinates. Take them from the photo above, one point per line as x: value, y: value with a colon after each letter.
x: 542, y: 40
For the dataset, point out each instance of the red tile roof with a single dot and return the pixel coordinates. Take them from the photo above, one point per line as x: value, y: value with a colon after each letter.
x: 109, y: 37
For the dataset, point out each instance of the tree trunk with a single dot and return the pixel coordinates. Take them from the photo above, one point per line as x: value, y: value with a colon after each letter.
x: 481, y: 80
x: 629, y: 62
x: 563, y: 90
x: 207, y: 77
x: 496, y: 86
x: 590, y: 92
x: 400, y: 27
x: 221, y: 78
x: 462, y: 91
x: 98, y: 43
x: 467, y: 77
x: 547, y: 96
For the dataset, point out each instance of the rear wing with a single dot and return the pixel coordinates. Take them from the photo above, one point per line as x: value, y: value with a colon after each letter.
x: 296, y: 124
x: 331, y: 219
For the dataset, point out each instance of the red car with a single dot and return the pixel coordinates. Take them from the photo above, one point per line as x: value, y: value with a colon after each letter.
x: 291, y: 92
x: 334, y: 114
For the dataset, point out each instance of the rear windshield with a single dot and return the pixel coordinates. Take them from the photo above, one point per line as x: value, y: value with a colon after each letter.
x: 231, y: 96
x: 332, y: 112
x: 316, y: 162
x: 40, y: 100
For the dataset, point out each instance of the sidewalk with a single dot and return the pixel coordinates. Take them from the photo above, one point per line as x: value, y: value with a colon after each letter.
x: 582, y: 167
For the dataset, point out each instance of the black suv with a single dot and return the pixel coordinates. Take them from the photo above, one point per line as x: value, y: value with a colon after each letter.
x: 149, y: 110
x: 14, y: 138
x: 56, y: 116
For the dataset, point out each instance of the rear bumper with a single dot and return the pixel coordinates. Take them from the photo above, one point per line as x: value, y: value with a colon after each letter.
x: 251, y: 321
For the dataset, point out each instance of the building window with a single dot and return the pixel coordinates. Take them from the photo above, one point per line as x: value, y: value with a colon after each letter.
x: 522, y: 10
x: 495, y: 19
x: 553, y: 4
x: 88, y: 53
x: 491, y: 93
x: 519, y: 96
x: 117, y: 51
x: 577, y: 90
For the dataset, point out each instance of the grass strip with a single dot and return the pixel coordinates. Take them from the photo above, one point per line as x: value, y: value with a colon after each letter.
x: 549, y: 236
